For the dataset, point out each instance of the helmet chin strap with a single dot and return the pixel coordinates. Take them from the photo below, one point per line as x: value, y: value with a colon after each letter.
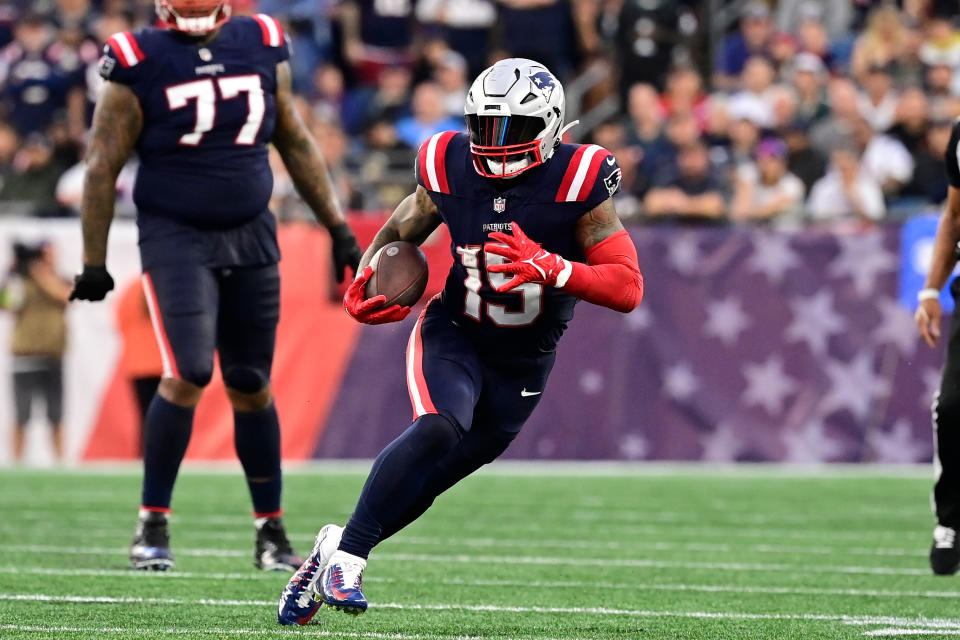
x: 567, y: 127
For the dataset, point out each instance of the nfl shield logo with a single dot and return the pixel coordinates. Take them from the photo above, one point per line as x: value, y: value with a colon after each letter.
x: 499, y: 205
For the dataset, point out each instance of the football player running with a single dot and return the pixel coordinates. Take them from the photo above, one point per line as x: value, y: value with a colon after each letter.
x: 533, y: 231
x: 199, y: 101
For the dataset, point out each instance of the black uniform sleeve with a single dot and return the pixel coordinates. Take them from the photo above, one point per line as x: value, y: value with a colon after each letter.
x: 953, y: 163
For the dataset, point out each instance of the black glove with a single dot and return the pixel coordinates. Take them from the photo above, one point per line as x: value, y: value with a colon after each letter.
x: 93, y: 284
x: 346, y: 251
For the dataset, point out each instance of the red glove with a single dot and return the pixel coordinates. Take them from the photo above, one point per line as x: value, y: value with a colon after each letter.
x: 528, y: 261
x: 369, y: 311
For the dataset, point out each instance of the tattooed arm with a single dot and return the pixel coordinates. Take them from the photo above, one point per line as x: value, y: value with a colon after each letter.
x: 309, y: 174
x: 611, y: 277
x: 413, y: 220
x: 117, y: 121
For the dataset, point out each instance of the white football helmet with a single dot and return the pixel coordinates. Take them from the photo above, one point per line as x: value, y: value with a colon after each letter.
x: 514, y: 114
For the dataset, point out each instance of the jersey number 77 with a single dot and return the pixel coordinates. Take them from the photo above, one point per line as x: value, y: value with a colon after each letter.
x: 204, y: 93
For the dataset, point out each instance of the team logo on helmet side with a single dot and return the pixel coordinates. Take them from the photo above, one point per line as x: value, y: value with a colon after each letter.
x: 545, y: 82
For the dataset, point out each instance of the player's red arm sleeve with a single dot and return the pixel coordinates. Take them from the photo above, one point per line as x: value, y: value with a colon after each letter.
x: 612, y: 278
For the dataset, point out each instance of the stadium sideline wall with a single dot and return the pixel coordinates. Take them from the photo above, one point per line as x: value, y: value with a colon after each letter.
x: 750, y: 345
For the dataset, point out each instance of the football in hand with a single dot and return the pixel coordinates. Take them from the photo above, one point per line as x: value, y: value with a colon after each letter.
x: 399, y: 273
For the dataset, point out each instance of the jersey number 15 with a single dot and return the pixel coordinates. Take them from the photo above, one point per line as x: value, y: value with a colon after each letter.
x: 531, y: 293
x: 204, y: 94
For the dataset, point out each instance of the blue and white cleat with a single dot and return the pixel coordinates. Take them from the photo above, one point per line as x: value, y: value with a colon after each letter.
x: 301, y: 599
x: 341, y: 581
x: 150, y: 549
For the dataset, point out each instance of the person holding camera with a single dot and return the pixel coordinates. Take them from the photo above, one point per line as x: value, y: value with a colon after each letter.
x: 37, y: 296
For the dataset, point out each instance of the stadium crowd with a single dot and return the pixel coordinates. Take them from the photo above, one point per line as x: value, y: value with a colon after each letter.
x: 804, y: 110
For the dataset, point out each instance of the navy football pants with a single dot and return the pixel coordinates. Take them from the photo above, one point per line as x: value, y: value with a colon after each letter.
x: 197, y: 309
x: 469, y: 405
x: 476, y: 390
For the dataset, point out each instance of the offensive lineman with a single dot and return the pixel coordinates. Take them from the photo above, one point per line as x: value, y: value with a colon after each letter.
x: 945, y: 552
x: 199, y: 101
x: 479, y: 356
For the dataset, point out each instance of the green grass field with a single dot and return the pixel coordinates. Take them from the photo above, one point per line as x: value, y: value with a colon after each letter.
x: 530, y: 552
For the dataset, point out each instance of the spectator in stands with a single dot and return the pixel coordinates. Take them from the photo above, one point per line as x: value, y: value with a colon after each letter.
x: 942, y: 86
x: 34, y: 88
x: 844, y: 113
x: 429, y: 116
x: 32, y: 180
x: 766, y: 191
x: 756, y: 83
x: 660, y: 158
x: 684, y: 94
x: 691, y: 193
x: 834, y: 16
x: 784, y: 107
x: 814, y: 40
x: 328, y: 91
x: 542, y: 30
x: 803, y: 161
x: 911, y: 120
x: 376, y: 35
x: 884, y: 158
x: 390, y: 100
x: 885, y: 41
x: 644, y: 122
x: 929, y: 178
x: 753, y: 38
x: 647, y: 38
x: 465, y: 25
x: 332, y: 142
x: 941, y: 41
x: 383, y: 168
x: 878, y: 101
x: 807, y: 77
x: 747, y: 119
x: 783, y: 49
x: 37, y: 296
x: 450, y: 74
x: 846, y: 192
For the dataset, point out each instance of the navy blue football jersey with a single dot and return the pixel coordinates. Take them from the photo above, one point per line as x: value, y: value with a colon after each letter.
x: 209, y: 111
x: 546, y: 202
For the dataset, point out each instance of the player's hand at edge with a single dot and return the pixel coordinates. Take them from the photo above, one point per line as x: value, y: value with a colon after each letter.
x: 346, y: 251
x: 928, y: 316
x: 527, y: 260
x: 370, y: 310
x: 92, y: 284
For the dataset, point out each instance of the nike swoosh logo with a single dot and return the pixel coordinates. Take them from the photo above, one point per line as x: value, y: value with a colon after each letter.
x: 611, y: 160
x: 526, y: 393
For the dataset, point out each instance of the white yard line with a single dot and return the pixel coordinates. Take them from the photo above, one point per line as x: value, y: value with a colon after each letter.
x: 240, y: 632
x: 535, y: 584
x: 517, y: 560
x: 557, y: 544
x: 893, y: 633
x: 850, y: 619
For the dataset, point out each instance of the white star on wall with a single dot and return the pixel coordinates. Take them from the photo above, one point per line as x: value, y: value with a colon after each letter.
x: 772, y: 256
x: 679, y: 382
x: 722, y: 444
x: 896, y: 327
x: 768, y: 385
x: 726, y: 320
x: 639, y: 319
x: 862, y: 258
x: 591, y: 382
x: 633, y: 446
x: 853, y: 385
x: 810, y: 443
x: 814, y: 321
x: 683, y: 252
x: 897, y: 445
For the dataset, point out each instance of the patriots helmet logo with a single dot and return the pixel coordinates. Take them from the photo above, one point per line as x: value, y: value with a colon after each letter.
x: 545, y: 82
